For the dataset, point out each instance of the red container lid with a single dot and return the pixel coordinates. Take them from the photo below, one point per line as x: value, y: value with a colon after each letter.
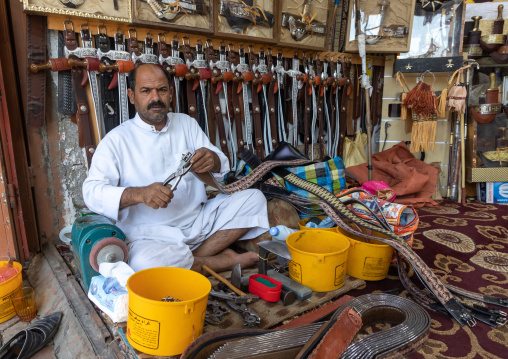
x: 264, y: 291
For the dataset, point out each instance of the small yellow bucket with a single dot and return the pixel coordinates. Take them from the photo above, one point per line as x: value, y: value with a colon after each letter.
x: 166, y: 328
x: 367, y: 261
x: 319, y: 259
x: 7, y: 290
x: 304, y: 221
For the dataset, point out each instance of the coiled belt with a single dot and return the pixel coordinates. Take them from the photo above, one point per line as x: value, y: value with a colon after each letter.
x: 411, y: 331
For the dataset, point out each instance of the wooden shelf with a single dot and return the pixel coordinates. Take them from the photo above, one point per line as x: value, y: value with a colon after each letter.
x: 55, y: 22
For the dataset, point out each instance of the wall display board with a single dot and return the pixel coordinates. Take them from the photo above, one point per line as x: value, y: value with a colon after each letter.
x: 386, y: 24
x: 109, y: 10
x: 182, y: 16
x: 254, y: 19
x: 437, y: 33
x: 305, y: 24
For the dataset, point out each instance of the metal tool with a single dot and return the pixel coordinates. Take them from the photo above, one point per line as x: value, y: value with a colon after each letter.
x: 288, y: 297
x: 302, y: 292
x: 236, y: 276
x: 95, y: 240
x: 265, y: 247
x: 215, y: 312
x: 224, y: 281
x: 182, y: 169
x: 250, y: 317
x: 247, y: 298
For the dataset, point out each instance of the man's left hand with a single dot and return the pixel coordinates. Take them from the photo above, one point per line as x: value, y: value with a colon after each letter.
x: 205, y: 160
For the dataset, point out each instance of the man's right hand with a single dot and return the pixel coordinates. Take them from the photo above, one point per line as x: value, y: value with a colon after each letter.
x: 155, y: 196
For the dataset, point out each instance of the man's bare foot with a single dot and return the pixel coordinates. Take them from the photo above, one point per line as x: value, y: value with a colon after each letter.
x: 247, y: 259
x: 225, y: 260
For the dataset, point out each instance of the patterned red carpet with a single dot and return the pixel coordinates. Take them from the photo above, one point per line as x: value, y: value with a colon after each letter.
x: 466, y: 246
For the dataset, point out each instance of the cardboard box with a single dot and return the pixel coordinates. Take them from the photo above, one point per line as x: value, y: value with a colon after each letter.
x: 493, y: 192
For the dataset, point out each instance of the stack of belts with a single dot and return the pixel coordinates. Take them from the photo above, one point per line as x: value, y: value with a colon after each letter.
x: 440, y: 299
x: 411, y: 329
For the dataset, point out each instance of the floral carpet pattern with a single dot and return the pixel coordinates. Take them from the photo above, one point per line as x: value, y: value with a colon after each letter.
x: 466, y: 246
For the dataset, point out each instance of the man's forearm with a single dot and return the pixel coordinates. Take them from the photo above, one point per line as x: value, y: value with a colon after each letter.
x: 130, y: 197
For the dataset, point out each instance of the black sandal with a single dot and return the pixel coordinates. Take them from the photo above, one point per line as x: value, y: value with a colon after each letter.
x: 31, y: 339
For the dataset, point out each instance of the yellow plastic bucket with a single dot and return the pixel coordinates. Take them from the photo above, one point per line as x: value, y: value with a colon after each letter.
x: 367, y: 261
x: 304, y: 221
x: 166, y: 328
x: 7, y: 290
x: 319, y: 259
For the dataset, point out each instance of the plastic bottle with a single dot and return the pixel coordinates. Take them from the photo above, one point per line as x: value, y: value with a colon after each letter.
x: 327, y: 223
x: 281, y: 232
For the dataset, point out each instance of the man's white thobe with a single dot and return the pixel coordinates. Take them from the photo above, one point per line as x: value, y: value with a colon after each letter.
x: 135, y: 154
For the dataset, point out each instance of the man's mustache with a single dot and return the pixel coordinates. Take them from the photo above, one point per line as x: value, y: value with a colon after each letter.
x: 156, y: 104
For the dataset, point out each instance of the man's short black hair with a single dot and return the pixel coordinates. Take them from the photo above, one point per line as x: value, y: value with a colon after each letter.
x: 133, y: 72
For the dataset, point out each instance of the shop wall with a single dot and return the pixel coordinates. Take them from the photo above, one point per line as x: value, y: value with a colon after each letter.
x: 396, y: 130
x: 58, y: 163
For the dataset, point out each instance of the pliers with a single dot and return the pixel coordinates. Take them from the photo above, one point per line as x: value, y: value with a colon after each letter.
x: 250, y: 317
x: 182, y: 169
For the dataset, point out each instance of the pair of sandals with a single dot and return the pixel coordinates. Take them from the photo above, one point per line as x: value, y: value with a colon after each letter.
x: 31, y: 339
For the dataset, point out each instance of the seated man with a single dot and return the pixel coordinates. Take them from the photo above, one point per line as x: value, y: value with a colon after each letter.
x: 166, y: 228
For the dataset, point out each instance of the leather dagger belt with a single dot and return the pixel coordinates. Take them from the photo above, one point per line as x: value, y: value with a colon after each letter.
x: 310, y: 340
x: 244, y: 12
x: 487, y: 108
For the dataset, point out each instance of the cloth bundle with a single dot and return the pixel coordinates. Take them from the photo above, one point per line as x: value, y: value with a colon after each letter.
x: 329, y: 174
x: 413, y: 180
x: 354, y: 151
x: 379, y: 189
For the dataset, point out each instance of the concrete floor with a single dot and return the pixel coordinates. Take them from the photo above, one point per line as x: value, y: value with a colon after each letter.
x: 82, y: 333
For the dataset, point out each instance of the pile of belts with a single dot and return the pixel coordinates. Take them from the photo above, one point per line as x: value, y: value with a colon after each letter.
x: 438, y: 296
x: 326, y: 335
x: 257, y: 100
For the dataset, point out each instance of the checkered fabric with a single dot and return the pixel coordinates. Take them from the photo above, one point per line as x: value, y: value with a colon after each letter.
x: 330, y: 175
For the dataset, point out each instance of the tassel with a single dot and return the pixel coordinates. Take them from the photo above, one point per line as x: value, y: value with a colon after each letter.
x: 409, y: 122
x: 403, y: 109
x: 441, y: 108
